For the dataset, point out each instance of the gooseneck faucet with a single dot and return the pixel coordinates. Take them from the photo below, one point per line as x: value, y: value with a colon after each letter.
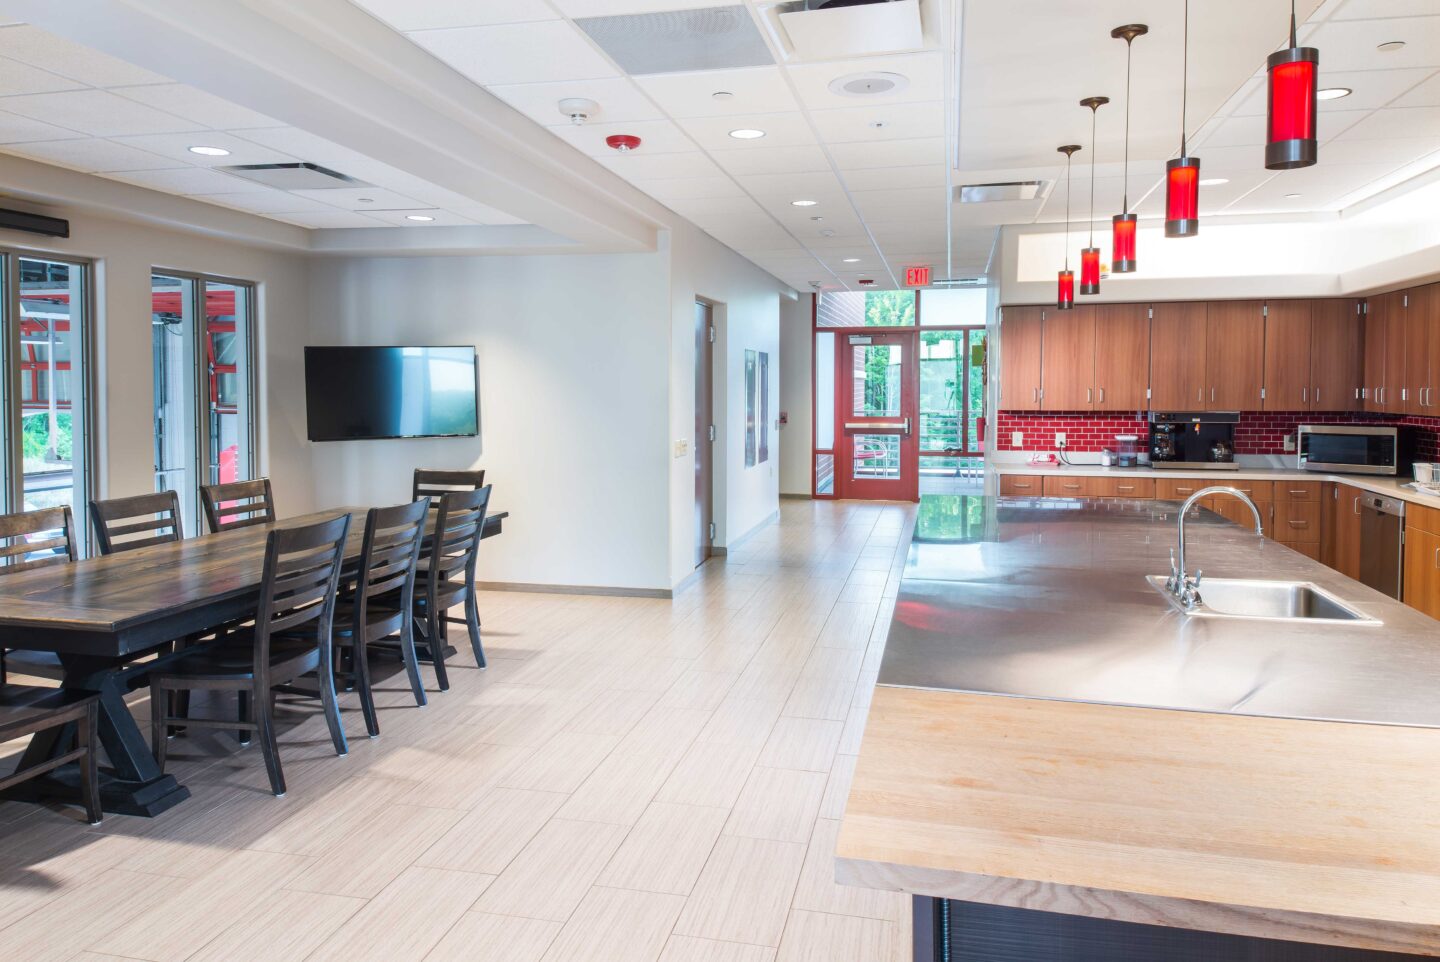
x: 1182, y: 586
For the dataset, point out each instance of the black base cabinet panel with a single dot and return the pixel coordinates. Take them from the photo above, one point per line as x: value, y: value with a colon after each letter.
x: 950, y: 931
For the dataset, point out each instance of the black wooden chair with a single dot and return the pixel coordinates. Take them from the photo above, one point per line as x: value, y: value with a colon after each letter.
x: 453, y: 551
x: 27, y: 710
x: 238, y: 504
x: 125, y: 524
x: 388, y: 556
x: 291, y: 638
x: 29, y: 540
x: 432, y: 484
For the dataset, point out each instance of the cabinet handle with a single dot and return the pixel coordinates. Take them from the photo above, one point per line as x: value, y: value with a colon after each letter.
x: 1437, y: 557
x: 1124, y: 487
x: 1298, y: 524
x: 1304, y: 392
x: 1070, y: 484
x: 1317, y: 395
x: 1179, y: 490
x: 1026, y: 484
x: 1199, y: 395
x: 1356, y: 504
x: 1102, y: 395
x: 1037, y: 394
x: 1212, y: 395
x: 1089, y: 392
x: 1301, y: 491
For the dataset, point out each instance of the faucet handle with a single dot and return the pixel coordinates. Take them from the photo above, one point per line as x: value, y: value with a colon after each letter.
x: 1173, y: 570
x: 1199, y: 573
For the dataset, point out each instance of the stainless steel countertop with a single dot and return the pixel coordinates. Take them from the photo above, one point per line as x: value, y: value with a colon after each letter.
x: 1047, y: 598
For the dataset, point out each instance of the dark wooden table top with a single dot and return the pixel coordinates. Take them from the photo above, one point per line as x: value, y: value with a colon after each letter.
x: 113, y: 594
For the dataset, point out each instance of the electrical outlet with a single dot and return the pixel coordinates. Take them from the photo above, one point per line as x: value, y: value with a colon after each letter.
x: 1059, y: 439
x: 1017, y: 439
x: 1289, y: 442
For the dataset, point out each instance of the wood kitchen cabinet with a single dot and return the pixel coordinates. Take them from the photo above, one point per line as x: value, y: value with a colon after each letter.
x: 1372, y: 388
x: 1234, y: 355
x: 1122, y: 357
x: 1422, y: 559
x: 1177, y: 357
x: 1385, y: 342
x: 1013, y: 485
x: 1020, y: 358
x: 1341, y: 532
x: 1068, y: 486
x: 1425, y: 307
x: 1142, y: 488
x: 1067, y: 381
x: 1289, y: 334
x: 1415, y: 389
x: 1337, y: 349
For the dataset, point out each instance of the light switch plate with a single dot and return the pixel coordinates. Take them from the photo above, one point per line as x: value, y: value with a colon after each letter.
x: 681, y: 448
x: 1059, y: 439
x: 1289, y: 442
x: 1017, y: 439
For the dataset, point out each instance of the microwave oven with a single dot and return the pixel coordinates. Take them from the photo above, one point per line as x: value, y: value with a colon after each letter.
x: 1356, y: 448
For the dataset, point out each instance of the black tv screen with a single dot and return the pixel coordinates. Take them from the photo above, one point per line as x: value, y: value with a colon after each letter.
x: 390, y: 392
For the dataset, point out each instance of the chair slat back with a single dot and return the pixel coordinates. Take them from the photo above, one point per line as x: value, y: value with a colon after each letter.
x: 36, y: 539
x: 126, y: 524
x: 302, y: 569
x: 458, y: 527
x: 388, y: 555
x: 238, y: 504
x: 433, y: 484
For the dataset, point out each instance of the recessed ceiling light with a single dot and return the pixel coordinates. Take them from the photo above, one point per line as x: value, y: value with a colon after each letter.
x: 803, y: 203
x: 1291, y: 196
x: 723, y: 95
x: 872, y: 83
x: 827, y: 232
x: 1390, y: 46
x: 1333, y: 93
x: 851, y: 260
x: 210, y: 151
x: 747, y: 133
x: 1214, y: 181
x: 419, y: 217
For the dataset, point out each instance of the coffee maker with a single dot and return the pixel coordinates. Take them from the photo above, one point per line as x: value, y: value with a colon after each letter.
x: 1202, y: 441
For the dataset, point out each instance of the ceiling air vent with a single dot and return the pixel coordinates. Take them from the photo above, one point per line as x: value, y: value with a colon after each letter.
x: 676, y: 41
x: 294, y: 176
x: 830, y: 29
x: 993, y: 193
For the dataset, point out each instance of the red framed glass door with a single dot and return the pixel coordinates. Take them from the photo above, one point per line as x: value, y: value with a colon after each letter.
x: 878, y: 442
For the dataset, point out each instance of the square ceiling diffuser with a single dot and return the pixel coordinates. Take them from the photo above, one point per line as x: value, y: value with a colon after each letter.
x: 299, y: 176
x: 680, y: 41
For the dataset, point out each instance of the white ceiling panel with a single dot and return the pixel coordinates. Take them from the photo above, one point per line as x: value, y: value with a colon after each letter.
x: 781, y: 130
x: 1213, y: 198
x: 1317, y: 186
x: 21, y: 78
x: 924, y: 71
x: 686, y: 188
x: 773, y: 160
x: 896, y: 178
x: 69, y: 59
x: 177, y: 147
x: 517, y: 53
x: 431, y: 14
x: 1372, y: 89
x: 15, y: 129
x: 871, y: 123
x: 712, y: 210
x: 197, y: 106
x: 618, y: 99
x: 439, y: 218
x: 890, y: 153
x: 1351, y: 44
x: 363, y: 199
x: 330, y: 219
x: 1371, y: 9
x: 1250, y: 131
x: 611, y: 8
x: 266, y: 202
x: 90, y: 155
x: 640, y: 165
x: 1396, y: 123
x: 484, y: 214
x: 660, y: 136
x: 95, y: 112
x: 1398, y: 152
x: 753, y: 90
x: 791, y: 186
x: 190, y: 180
x: 1426, y: 94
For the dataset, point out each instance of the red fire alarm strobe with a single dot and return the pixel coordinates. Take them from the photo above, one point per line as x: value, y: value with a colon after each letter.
x: 917, y: 276
x: 622, y: 142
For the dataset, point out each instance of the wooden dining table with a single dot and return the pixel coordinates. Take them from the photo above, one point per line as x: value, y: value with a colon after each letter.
x: 101, y: 615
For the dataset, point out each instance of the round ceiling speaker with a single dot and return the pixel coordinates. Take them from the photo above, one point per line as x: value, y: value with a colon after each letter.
x: 622, y: 142
x: 872, y: 83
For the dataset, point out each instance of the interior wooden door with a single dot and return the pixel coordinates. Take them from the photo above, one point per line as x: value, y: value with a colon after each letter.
x: 1234, y: 355
x: 1373, y: 389
x: 1122, y: 357
x: 1336, y: 351
x: 1287, y: 355
x: 1067, y: 382
x: 1177, y: 357
x: 1020, y: 358
x: 877, y: 457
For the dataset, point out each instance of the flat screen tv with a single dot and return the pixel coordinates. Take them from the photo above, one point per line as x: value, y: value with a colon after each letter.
x: 354, y: 393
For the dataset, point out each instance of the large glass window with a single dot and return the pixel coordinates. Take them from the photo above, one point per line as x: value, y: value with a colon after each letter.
x: 865, y: 309
x: 202, y: 334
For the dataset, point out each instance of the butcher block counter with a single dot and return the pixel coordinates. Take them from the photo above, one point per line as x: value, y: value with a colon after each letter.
x: 1108, y: 779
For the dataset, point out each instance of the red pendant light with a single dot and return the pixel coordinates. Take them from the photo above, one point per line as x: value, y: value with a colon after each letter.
x: 1090, y: 256
x: 1294, y: 76
x: 1122, y: 225
x: 1065, y: 295
x: 1182, y: 174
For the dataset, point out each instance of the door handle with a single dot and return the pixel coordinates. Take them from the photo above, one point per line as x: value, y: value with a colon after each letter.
x: 903, y: 426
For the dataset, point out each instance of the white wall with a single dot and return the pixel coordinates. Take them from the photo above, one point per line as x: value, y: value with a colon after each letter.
x: 124, y: 254
x: 796, y: 395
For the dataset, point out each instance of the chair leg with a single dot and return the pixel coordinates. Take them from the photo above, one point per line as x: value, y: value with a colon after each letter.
x: 435, y: 628
x: 361, y: 676
x: 472, y: 624
x: 264, y: 712
x: 243, y: 734
x: 412, y: 660
x: 89, y: 770
x: 159, y: 701
x: 325, y: 680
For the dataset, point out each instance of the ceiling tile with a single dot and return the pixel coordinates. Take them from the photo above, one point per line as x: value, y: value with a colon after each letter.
x: 431, y: 14
x: 1399, y: 152
x: 891, y: 178
x: 618, y: 98
x: 1375, y: 9
x: 791, y: 186
x: 1317, y: 186
x: 1426, y: 94
x: 517, y: 53
x: 198, y: 106
x: 711, y: 210
x: 1351, y: 44
x: 441, y: 218
x: 891, y: 153
x: 21, y: 78
x: 659, y: 136
x: 611, y: 8
x: 781, y: 130
x: 484, y: 214
x: 924, y: 71
x: 773, y: 160
x: 1372, y: 89
x: 639, y: 165
x: 69, y: 59
x: 330, y: 219
x: 191, y: 180
x: 15, y: 129
x: 265, y: 202
x: 1394, y: 123
x: 363, y: 199
x: 869, y: 123
x: 95, y: 112
x: 177, y: 147
x: 1250, y: 131
x: 91, y: 155
x: 685, y: 188
x: 754, y: 90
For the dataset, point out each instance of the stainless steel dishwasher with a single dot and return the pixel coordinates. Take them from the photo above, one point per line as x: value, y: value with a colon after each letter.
x: 1382, y: 542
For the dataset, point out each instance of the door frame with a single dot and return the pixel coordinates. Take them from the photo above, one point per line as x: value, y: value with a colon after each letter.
x: 907, y: 486
x: 705, y: 431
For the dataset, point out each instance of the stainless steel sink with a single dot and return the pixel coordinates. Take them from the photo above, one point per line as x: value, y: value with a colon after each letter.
x: 1266, y: 601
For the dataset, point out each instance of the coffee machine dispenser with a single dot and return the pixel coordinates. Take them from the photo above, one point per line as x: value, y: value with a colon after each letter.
x: 1202, y: 441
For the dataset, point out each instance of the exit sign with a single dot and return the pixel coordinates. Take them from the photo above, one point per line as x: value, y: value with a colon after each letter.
x: 917, y: 276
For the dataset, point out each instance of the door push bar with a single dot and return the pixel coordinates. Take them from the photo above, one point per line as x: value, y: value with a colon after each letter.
x: 901, y: 426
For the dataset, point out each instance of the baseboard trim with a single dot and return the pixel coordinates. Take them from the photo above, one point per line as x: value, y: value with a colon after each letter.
x: 737, y: 542
x: 543, y: 589
x: 797, y: 497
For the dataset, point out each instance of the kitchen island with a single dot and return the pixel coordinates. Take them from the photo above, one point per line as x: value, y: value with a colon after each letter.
x: 1064, y: 767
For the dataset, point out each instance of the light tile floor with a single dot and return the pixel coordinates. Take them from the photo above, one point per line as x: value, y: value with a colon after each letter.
x: 630, y: 781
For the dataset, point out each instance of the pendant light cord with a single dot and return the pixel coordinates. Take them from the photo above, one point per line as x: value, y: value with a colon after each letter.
x: 1093, y: 112
x: 1293, y: 42
x: 1184, y: 77
x: 1067, y: 212
x: 1125, y: 207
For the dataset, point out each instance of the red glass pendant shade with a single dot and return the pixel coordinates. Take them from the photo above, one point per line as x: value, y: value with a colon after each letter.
x: 1291, y: 139
x: 1182, y: 197
x: 1090, y: 270
x: 1065, y: 298
x: 1122, y: 236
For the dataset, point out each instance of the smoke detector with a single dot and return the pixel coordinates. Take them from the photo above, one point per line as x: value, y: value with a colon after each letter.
x: 622, y: 142
x: 578, y: 109
x: 871, y: 83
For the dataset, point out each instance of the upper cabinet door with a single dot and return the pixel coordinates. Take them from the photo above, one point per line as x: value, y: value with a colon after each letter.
x: 1177, y: 357
x: 1394, y: 391
x: 1425, y: 307
x: 1234, y: 355
x: 1067, y: 377
x: 1373, y: 388
x: 1336, y: 349
x: 1287, y: 356
x: 1415, y: 396
x: 1122, y: 357
x: 1020, y: 358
